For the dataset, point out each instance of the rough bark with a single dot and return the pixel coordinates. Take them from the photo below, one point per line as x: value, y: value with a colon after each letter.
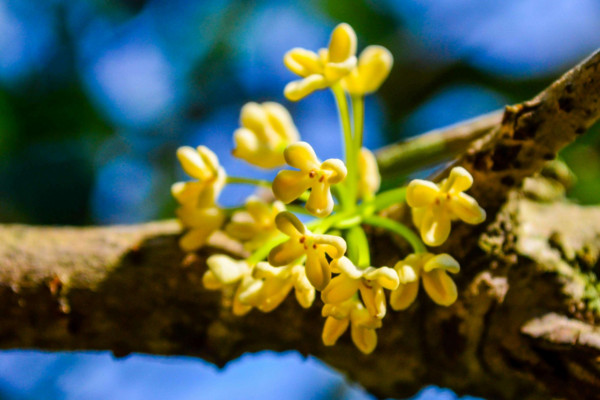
x: 525, y: 324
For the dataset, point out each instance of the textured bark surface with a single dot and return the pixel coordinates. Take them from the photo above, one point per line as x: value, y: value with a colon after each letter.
x: 525, y: 324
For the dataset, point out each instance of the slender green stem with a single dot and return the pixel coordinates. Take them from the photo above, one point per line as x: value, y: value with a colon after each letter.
x: 351, y: 178
x: 262, y: 252
x: 358, y: 114
x: 360, y: 247
x: 385, y: 199
x: 248, y: 181
x: 399, y: 229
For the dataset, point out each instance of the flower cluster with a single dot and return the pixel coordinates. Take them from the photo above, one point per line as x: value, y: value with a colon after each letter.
x: 329, y: 253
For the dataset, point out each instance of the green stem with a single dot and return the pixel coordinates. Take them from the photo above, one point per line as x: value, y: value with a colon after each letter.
x: 263, y: 251
x: 358, y: 114
x: 358, y: 247
x: 386, y: 199
x: 399, y: 229
x: 351, y: 178
x: 248, y: 181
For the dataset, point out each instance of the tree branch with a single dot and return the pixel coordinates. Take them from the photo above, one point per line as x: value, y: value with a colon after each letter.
x: 523, y: 327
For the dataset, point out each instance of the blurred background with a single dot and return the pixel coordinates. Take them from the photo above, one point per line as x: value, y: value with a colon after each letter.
x: 96, y: 95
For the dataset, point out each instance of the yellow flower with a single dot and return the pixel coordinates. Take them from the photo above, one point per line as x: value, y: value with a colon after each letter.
x: 266, y: 130
x: 278, y: 282
x: 314, y: 174
x: 339, y: 316
x: 303, y: 242
x: 435, y: 206
x: 374, y: 66
x: 369, y: 179
x: 324, y: 69
x: 370, y: 281
x: 256, y: 225
x: 433, y: 269
x: 201, y: 223
x: 203, y: 165
x: 234, y: 278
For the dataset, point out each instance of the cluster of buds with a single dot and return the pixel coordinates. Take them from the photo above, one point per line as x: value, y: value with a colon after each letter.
x: 330, y: 253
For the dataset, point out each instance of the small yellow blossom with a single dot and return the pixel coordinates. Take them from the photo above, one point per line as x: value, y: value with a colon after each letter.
x: 315, y: 175
x: 267, y: 129
x: 203, y: 165
x: 363, y: 325
x: 303, y: 242
x: 256, y: 225
x: 369, y: 178
x: 433, y: 269
x: 234, y: 278
x: 370, y: 281
x: 435, y: 206
x: 201, y: 223
x: 323, y: 69
x: 374, y: 66
x: 278, y: 282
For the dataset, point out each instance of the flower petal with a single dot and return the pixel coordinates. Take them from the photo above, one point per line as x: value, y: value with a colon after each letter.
x: 408, y: 269
x: 374, y: 299
x: 338, y: 169
x: 435, y: 227
x: 443, y: 262
x: 320, y: 201
x: 341, y: 288
x: 374, y: 66
x: 421, y: 193
x: 210, y: 281
x: 304, y: 291
x: 440, y: 287
x: 345, y: 266
x: 254, y: 118
x: 333, y: 329
x: 297, y: 90
x: 365, y: 339
x: 194, y: 164
x: 404, y: 295
x: 286, y: 253
x: 302, y: 156
x: 289, y: 185
x: 369, y: 178
x: 334, y: 246
x: 384, y: 276
x: 281, y: 121
x: 289, y: 224
x: 459, y: 180
x: 317, y: 269
x: 342, y: 44
x: 226, y: 269
x: 334, y: 71
x: 302, y: 62
x: 466, y: 208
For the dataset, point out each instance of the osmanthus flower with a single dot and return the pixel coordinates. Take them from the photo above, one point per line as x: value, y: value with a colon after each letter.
x: 303, y: 242
x: 321, y: 70
x: 374, y: 66
x: 435, y: 206
x: 201, y: 223
x: 234, y: 278
x: 313, y: 174
x: 279, y: 281
x: 369, y: 179
x: 351, y: 312
x: 256, y: 224
x: 266, y: 130
x: 369, y: 281
x: 433, y: 270
x: 203, y: 165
